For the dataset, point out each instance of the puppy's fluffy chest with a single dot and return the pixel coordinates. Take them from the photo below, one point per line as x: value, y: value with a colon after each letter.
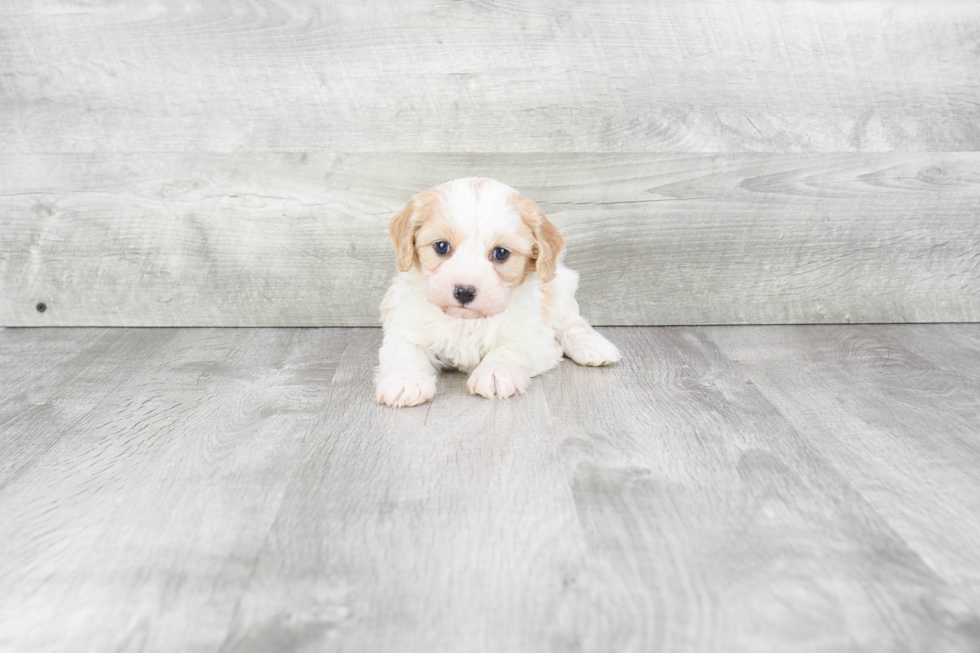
x: 462, y: 344
x: 453, y: 342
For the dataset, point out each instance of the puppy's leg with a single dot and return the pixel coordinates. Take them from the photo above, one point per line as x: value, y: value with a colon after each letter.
x: 406, y: 376
x: 577, y: 338
x: 586, y: 346
x: 507, y: 369
x: 500, y: 374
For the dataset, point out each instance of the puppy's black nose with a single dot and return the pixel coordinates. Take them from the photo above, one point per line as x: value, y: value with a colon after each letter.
x: 464, y: 294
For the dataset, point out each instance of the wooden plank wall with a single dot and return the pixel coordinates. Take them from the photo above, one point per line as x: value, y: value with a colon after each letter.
x: 235, y: 163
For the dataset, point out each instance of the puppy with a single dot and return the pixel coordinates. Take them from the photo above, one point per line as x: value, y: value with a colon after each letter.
x: 481, y: 288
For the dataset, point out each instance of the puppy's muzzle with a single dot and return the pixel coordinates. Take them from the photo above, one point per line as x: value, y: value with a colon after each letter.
x: 464, y: 294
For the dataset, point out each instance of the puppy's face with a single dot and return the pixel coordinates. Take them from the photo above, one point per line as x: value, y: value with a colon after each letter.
x: 475, y: 240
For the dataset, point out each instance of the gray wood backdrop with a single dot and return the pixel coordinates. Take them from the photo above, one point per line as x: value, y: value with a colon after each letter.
x: 740, y: 161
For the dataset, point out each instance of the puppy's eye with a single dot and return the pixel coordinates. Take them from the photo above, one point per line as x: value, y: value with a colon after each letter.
x: 500, y: 254
x: 442, y: 247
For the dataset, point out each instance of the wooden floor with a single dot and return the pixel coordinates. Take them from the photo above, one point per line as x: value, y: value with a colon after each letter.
x: 722, y: 489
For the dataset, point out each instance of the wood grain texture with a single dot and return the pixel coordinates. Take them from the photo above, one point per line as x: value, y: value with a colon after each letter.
x: 301, y: 239
x: 164, y: 461
x: 41, y: 402
x: 886, y: 397
x: 489, y: 75
x: 193, y: 163
x: 446, y: 528
x: 730, y: 489
x: 714, y: 524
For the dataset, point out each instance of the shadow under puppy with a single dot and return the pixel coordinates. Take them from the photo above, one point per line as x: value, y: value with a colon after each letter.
x: 481, y: 288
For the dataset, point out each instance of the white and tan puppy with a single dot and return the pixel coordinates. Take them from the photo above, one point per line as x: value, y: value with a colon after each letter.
x: 481, y: 289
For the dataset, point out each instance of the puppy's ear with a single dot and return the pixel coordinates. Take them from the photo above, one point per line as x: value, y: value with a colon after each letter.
x: 548, y: 243
x: 402, y: 232
x: 407, y: 222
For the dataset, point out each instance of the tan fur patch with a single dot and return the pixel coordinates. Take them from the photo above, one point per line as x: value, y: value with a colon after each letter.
x: 548, y: 241
x: 549, y: 291
x: 513, y: 270
x: 520, y: 262
x: 405, y: 226
x: 436, y: 228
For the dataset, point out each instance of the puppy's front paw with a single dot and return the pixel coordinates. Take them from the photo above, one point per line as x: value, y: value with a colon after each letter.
x: 498, y: 382
x: 590, y: 348
x: 406, y: 389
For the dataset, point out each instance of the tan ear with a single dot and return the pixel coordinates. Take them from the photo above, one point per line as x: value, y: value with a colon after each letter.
x: 548, y: 243
x: 406, y: 223
x: 402, y: 232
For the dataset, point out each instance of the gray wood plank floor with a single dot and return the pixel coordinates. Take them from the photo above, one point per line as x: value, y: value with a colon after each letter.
x: 722, y: 489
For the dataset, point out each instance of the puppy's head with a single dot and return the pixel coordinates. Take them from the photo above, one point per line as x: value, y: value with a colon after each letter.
x: 475, y: 240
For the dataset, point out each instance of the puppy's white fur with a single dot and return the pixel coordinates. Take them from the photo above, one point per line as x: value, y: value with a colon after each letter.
x: 524, y: 315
